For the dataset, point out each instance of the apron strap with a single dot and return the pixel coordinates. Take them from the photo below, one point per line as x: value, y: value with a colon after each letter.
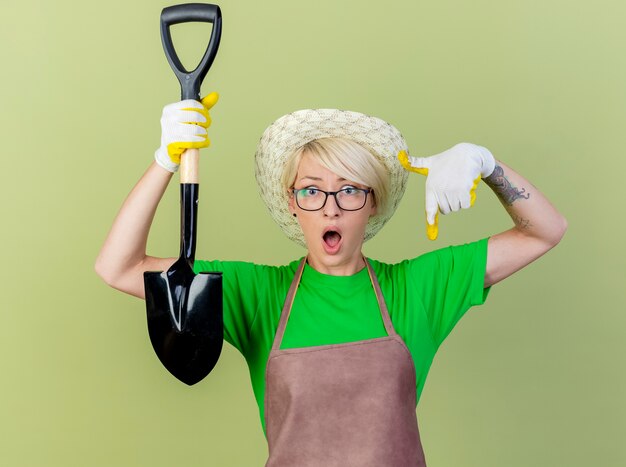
x: 284, y: 316
x: 381, y: 300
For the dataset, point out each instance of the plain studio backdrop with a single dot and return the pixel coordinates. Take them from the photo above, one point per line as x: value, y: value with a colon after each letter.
x: 535, y: 377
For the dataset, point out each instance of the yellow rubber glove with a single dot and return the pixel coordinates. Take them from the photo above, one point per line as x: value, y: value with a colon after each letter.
x: 184, y: 126
x: 451, y: 179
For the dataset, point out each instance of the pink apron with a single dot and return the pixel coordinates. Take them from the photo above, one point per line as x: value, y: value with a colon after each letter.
x: 345, y: 405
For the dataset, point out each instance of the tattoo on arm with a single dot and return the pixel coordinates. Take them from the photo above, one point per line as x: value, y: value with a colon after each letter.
x: 521, y: 222
x: 503, y: 188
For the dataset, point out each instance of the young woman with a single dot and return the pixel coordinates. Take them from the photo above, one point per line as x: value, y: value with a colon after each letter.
x: 339, y: 345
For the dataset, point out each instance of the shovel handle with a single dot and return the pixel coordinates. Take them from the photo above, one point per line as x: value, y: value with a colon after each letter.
x: 185, y: 13
x: 190, y: 81
x: 189, y: 164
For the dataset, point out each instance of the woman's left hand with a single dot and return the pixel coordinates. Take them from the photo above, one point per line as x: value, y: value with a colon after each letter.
x: 452, y: 178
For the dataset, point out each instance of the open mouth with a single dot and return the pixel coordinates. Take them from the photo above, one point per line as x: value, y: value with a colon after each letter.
x: 331, y: 240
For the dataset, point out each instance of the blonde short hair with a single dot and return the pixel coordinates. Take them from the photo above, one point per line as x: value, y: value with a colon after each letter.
x: 347, y: 159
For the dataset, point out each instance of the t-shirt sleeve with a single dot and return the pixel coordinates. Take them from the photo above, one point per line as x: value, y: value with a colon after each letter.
x: 450, y: 281
x: 243, y: 284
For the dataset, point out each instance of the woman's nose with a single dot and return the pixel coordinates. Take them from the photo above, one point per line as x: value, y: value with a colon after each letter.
x: 331, y: 208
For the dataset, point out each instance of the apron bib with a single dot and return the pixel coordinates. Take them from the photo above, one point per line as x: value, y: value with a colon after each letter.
x: 345, y: 405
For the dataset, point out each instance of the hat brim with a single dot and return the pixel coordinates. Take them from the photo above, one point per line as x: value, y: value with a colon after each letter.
x: 294, y: 130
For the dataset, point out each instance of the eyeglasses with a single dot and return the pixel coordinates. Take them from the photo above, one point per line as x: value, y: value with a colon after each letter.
x: 348, y: 199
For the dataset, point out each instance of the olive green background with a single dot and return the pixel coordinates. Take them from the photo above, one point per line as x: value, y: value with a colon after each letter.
x: 534, y: 377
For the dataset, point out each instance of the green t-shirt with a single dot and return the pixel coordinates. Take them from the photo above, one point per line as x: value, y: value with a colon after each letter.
x: 426, y: 296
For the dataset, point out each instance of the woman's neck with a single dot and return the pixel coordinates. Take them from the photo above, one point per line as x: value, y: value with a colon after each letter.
x: 337, y: 268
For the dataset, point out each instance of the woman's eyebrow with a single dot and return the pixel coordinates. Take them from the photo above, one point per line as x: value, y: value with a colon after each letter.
x: 317, y: 179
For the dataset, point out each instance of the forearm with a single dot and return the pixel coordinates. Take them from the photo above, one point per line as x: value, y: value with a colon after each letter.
x: 531, y: 212
x: 125, y: 245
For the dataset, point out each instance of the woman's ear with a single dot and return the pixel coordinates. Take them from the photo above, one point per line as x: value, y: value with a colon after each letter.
x: 374, y: 207
x: 292, y: 204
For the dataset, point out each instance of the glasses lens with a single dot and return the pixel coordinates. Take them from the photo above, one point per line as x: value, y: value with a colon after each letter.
x: 310, y: 199
x: 351, y: 199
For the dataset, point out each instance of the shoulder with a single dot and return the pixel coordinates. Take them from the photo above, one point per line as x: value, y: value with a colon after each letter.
x: 441, y: 257
x: 465, y: 252
x: 246, y: 268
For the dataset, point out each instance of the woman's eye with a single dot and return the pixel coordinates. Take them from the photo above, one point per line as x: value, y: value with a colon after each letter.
x: 349, y: 190
x: 309, y: 192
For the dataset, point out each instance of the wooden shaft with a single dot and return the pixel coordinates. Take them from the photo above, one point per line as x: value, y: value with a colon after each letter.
x: 189, y: 166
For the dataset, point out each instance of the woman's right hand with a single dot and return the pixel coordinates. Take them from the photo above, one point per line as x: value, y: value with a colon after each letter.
x: 183, y: 126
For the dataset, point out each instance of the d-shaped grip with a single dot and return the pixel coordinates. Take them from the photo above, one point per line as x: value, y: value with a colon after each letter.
x: 204, y: 12
x: 187, y: 12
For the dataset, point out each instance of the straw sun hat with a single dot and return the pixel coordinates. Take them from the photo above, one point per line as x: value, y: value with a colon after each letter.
x: 294, y: 130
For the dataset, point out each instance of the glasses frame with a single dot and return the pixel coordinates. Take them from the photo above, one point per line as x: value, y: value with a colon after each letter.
x: 334, y: 194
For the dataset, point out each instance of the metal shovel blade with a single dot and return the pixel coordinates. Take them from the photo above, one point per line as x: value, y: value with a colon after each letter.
x: 184, y: 309
x: 185, y: 321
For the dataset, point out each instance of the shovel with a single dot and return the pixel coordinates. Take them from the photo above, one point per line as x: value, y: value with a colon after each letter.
x: 184, y: 310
